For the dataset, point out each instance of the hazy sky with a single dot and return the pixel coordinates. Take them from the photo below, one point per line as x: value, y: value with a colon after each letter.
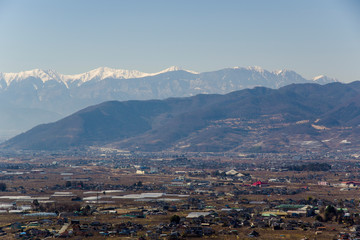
x: 310, y: 37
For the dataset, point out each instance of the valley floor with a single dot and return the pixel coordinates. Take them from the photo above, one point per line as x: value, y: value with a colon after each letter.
x: 134, y: 196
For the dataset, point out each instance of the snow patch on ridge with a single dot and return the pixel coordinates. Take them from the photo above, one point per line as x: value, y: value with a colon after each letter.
x: 318, y: 77
x: 322, y: 79
x: 104, y: 72
x: 44, y: 75
x: 255, y: 68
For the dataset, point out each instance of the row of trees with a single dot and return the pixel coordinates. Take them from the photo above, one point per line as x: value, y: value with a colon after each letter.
x: 310, y: 167
x: 330, y: 213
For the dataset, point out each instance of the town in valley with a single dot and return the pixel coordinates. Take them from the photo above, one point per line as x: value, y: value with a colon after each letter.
x: 104, y: 193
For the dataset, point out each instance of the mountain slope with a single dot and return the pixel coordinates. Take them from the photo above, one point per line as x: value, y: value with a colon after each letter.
x: 259, y: 118
x: 49, y: 91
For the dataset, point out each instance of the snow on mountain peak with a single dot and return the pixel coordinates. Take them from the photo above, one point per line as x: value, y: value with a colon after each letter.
x: 255, y: 68
x: 283, y: 72
x: 172, y: 69
x: 322, y: 79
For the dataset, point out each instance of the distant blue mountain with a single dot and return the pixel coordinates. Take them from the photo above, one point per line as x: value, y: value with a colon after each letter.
x: 294, y: 118
x: 38, y: 96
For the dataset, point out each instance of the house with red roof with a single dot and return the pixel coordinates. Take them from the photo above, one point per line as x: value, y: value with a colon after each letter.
x: 260, y: 184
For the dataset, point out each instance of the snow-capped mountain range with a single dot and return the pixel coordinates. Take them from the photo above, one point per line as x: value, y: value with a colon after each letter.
x: 100, y: 73
x: 38, y: 96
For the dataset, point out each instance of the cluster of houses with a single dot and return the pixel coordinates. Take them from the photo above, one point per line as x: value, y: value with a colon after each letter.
x: 194, y: 199
x: 190, y: 217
